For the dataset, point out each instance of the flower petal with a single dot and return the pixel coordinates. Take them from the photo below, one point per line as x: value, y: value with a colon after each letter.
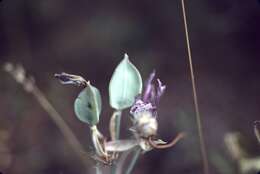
x: 160, y: 90
x: 149, y: 87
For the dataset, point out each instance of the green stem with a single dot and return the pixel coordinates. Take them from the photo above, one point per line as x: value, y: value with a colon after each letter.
x: 98, y: 168
x: 113, y: 169
x: 118, y: 123
x: 118, y: 114
x: 136, y: 155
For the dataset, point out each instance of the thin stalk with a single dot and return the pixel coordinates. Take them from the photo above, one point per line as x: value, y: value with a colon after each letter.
x: 136, y: 155
x: 114, y: 126
x: 118, y: 123
x: 198, y: 117
x: 98, y: 168
x: 115, y: 123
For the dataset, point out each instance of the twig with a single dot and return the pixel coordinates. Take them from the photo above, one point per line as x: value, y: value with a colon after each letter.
x: 198, y: 117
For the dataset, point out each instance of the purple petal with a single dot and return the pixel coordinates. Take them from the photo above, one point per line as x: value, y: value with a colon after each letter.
x: 138, y: 103
x: 153, y: 97
x: 160, y: 90
x: 150, y: 99
x: 140, y: 107
x: 149, y: 87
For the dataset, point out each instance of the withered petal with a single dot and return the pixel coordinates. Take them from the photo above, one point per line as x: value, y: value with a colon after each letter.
x: 66, y: 78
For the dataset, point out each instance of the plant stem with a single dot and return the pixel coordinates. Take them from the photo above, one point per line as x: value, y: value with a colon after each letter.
x: 98, y: 168
x: 136, y: 155
x: 118, y: 123
x: 115, y: 131
x: 115, y: 125
x: 204, y: 155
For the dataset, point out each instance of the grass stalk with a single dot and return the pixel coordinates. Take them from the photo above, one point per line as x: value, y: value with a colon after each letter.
x: 195, y: 98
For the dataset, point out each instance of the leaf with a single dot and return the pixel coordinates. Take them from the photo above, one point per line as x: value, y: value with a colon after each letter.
x: 125, y: 85
x: 87, y: 106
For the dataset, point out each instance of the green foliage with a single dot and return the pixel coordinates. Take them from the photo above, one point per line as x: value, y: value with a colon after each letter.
x: 125, y: 85
x: 87, y: 106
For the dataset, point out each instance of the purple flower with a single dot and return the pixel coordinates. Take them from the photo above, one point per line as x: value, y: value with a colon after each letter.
x: 150, y: 98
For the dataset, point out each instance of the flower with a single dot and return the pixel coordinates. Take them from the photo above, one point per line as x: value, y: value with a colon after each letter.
x: 144, y: 110
x: 150, y: 99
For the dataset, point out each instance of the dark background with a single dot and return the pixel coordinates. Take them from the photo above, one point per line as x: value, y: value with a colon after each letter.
x: 90, y: 37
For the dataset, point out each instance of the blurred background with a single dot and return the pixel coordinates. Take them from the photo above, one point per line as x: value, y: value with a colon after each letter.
x: 89, y: 38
